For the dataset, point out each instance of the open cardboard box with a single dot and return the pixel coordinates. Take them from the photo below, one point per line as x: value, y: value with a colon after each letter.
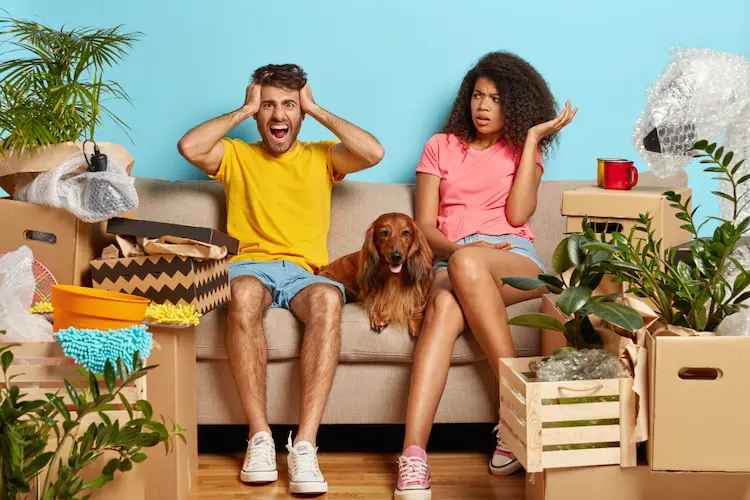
x: 699, y: 406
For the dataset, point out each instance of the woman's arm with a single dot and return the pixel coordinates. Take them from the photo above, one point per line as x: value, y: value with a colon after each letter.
x: 522, y: 198
x: 428, y: 199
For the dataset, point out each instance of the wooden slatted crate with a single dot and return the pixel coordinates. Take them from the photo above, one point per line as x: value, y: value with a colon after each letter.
x: 565, y: 424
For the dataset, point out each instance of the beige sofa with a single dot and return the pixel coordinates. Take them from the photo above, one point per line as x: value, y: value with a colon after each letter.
x: 372, y: 379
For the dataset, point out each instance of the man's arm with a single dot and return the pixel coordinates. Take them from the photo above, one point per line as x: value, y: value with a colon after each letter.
x: 202, y: 145
x: 358, y: 149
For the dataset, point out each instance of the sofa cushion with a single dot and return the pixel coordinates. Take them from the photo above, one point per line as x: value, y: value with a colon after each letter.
x: 358, y: 342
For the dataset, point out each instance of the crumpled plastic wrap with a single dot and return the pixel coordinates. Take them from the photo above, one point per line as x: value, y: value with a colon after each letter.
x: 90, y: 196
x: 735, y: 325
x: 700, y: 95
x: 16, y: 295
x: 583, y: 364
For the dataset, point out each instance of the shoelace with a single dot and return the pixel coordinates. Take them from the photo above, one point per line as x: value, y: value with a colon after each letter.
x: 262, y: 453
x: 412, y: 470
x: 500, y: 446
x: 304, y: 463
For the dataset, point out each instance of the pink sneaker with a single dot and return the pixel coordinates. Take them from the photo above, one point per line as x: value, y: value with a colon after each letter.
x: 503, y: 462
x: 413, y: 475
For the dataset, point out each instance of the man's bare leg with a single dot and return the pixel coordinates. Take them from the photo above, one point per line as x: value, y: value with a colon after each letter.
x: 246, y: 347
x: 319, y: 307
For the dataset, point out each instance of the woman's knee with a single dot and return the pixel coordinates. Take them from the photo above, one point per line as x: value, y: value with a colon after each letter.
x: 465, y: 265
x: 443, y: 311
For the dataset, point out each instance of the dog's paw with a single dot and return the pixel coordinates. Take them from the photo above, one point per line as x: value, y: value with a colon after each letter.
x: 414, y: 326
x: 379, y: 324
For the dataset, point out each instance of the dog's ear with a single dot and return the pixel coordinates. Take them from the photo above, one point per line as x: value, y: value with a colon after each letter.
x: 420, y: 258
x: 368, y: 271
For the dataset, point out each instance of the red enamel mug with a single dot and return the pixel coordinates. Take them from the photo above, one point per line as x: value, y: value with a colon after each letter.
x: 619, y: 174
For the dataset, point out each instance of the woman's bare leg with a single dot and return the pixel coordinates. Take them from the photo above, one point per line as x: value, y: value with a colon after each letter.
x: 443, y: 323
x: 476, y: 277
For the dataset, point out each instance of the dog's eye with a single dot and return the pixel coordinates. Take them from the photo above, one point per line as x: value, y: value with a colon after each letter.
x: 405, y: 233
x: 383, y: 233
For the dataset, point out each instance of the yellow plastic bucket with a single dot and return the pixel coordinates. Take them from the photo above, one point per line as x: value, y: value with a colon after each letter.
x: 92, y: 308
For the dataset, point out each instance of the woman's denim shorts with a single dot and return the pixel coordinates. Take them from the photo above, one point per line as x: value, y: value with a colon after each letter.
x: 521, y: 246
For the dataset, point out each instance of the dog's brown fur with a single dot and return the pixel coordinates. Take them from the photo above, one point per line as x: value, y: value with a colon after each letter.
x: 387, y: 297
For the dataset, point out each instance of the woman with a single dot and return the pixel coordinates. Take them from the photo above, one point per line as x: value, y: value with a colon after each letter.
x: 476, y: 190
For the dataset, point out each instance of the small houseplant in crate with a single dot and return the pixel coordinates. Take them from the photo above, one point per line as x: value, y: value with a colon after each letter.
x: 581, y: 417
x: 49, y: 445
x: 53, y: 92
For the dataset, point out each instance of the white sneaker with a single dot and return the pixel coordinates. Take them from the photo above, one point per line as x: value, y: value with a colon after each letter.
x: 260, y: 460
x: 504, y: 462
x: 304, y: 473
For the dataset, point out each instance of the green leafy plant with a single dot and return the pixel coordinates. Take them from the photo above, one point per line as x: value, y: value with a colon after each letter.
x: 585, y: 256
x: 26, y: 427
x: 52, y: 83
x: 693, y: 292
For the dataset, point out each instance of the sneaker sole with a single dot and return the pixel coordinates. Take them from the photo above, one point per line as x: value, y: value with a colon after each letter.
x: 310, y: 488
x: 505, y: 470
x: 259, y: 477
x: 412, y: 494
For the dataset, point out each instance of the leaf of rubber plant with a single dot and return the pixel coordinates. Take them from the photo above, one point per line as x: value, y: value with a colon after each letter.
x: 572, y: 299
x: 617, y: 314
x: 522, y: 283
x: 537, y: 320
x: 560, y: 260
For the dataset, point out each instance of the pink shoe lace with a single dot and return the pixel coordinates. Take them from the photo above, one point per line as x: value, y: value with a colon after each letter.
x: 501, y: 448
x: 413, y: 473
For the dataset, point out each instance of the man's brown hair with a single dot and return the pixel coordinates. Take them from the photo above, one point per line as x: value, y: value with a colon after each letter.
x: 285, y: 76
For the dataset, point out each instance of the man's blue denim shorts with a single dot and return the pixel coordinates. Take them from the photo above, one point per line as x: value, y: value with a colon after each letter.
x: 521, y: 246
x: 283, y: 279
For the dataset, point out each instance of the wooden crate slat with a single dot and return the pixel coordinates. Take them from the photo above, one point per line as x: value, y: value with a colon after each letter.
x: 509, y: 397
x: 628, y: 456
x: 583, y: 411
x: 580, y: 435
x: 534, y: 420
x: 510, y: 369
x: 580, y: 388
x: 516, y: 425
x: 581, y: 458
x: 518, y: 449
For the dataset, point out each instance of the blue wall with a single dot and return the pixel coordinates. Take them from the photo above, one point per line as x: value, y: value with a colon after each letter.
x: 393, y: 66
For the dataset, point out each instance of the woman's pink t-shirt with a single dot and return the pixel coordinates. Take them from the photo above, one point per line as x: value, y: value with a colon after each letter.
x: 474, y: 187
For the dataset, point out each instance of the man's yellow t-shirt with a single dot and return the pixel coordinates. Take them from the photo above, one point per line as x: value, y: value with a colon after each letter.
x: 279, y: 207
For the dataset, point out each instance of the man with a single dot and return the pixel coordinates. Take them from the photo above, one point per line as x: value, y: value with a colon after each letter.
x: 278, y: 195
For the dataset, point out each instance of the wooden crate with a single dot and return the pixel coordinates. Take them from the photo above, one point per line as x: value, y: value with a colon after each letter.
x: 541, y: 421
x: 40, y: 368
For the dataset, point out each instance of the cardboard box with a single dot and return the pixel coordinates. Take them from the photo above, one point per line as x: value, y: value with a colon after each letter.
x: 552, y: 339
x: 166, y: 279
x: 698, y: 403
x: 59, y: 240
x: 635, y: 483
x: 557, y: 424
x: 613, y: 210
x: 17, y: 170
x: 151, y: 229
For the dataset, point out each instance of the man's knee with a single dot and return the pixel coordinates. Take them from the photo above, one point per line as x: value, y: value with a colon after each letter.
x: 249, y: 296
x: 327, y: 299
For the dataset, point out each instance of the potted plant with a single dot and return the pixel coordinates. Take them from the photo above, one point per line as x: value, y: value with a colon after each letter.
x: 52, y: 89
x: 694, y: 292
x: 44, y: 446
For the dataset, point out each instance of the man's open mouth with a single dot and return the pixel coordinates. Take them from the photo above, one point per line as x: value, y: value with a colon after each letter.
x: 279, y: 130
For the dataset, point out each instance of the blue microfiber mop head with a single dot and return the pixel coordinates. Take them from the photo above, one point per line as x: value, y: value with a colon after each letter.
x: 92, y: 348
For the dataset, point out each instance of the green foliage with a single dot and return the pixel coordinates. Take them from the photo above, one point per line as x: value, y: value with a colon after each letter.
x: 26, y: 426
x: 52, y: 82
x: 586, y: 257
x: 693, y: 293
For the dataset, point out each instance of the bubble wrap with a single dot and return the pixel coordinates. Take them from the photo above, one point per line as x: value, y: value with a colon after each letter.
x: 584, y: 364
x: 737, y: 324
x: 701, y: 94
x: 90, y: 196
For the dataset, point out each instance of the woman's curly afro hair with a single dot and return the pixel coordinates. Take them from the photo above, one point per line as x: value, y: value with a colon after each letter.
x: 525, y: 100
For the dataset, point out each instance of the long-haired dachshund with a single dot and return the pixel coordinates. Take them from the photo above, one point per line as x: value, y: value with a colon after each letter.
x: 391, y: 275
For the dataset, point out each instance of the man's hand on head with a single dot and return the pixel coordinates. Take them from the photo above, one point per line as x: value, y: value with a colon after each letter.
x: 252, y: 100
x: 306, y: 100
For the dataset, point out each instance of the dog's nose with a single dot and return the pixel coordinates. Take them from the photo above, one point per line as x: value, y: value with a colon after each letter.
x: 396, y: 256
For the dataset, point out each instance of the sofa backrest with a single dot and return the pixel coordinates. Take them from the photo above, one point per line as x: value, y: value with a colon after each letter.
x: 354, y: 205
